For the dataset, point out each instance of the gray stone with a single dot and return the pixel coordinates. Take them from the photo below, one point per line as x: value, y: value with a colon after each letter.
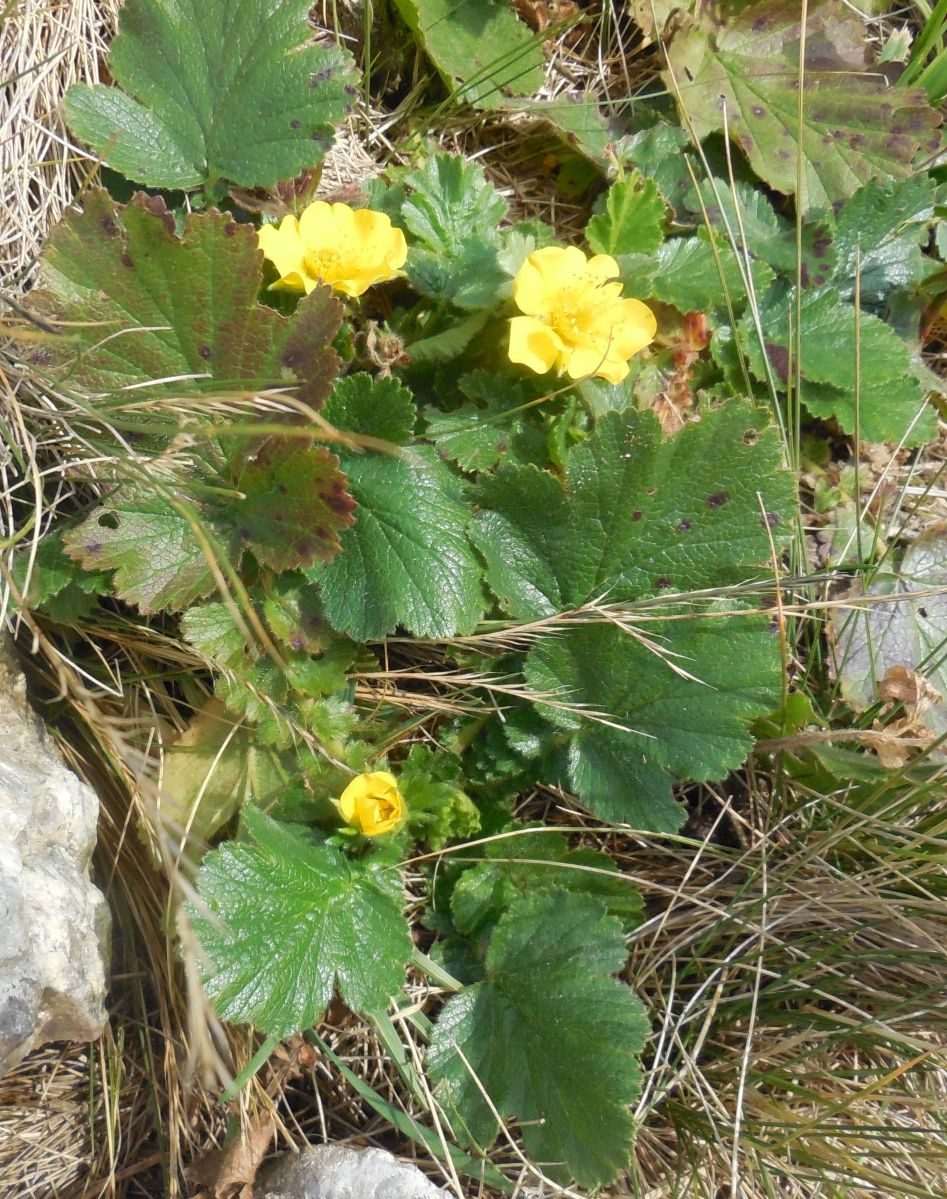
x: 54, y: 924
x: 340, y: 1172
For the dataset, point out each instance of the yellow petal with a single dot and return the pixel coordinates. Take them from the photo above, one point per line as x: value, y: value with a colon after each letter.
x: 321, y: 225
x: 281, y: 245
x: 372, y: 803
x: 635, y: 328
x: 602, y: 267
x: 589, y: 359
x: 530, y: 294
x: 534, y: 344
x: 561, y: 267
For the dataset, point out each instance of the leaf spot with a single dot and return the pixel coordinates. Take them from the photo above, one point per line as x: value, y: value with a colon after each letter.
x: 718, y: 499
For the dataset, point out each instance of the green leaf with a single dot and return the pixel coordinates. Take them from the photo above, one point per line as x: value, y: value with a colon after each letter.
x: 483, y: 430
x: 632, y: 221
x: 479, y: 49
x: 470, y: 278
x: 170, y: 316
x: 373, y: 407
x: 744, y: 62
x: 639, y: 515
x: 285, y: 923
x: 439, y: 810
x: 450, y: 342
x: 213, y: 89
x: 550, y: 1036
x: 576, y: 117
x: 879, y: 235
x: 907, y: 629
x: 451, y: 201
x: 692, y: 274
x: 528, y: 863
x: 149, y: 544
x: 57, y: 585
x: 407, y: 561
x: 686, y: 704
x: 661, y: 153
x: 890, y: 396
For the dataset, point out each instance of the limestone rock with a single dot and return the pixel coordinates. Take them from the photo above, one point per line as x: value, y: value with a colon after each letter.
x: 340, y: 1172
x: 54, y: 924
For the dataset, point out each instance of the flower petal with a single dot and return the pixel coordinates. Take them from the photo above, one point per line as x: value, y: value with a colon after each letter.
x: 529, y: 291
x: 321, y: 225
x: 534, y: 344
x: 602, y: 267
x: 635, y: 328
x: 281, y: 245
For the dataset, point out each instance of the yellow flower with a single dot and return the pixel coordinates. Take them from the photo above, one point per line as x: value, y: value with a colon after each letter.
x: 372, y: 803
x: 347, y: 248
x: 576, y: 319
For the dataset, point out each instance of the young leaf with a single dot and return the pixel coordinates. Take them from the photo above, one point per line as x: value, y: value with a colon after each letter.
x: 633, y: 218
x: 57, y: 585
x: 745, y: 64
x: 213, y: 89
x: 407, y: 560
x: 450, y: 201
x: 550, y: 1036
x: 693, y: 275
x: 285, y: 923
x: 181, y: 312
x: 439, y: 810
x: 528, y: 863
x: 373, y: 407
x: 478, y: 48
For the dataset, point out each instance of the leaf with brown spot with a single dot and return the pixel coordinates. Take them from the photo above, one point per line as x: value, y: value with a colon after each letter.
x: 184, y: 314
x: 295, y: 502
x: 739, y: 69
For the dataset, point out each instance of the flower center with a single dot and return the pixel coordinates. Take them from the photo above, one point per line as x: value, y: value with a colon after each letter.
x: 581, y: 311
x: 322, y: 264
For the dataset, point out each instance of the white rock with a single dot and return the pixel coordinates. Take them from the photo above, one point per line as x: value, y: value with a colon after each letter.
x: 54, y: 924
x: 339, y: 1172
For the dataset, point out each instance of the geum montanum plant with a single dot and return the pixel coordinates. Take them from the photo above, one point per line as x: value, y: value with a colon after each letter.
x: 385, y: 476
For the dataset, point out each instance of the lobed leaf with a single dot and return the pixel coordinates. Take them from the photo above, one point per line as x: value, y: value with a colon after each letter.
x: 285, y: 922
x: 550, y: 1037
x: 213, y: 89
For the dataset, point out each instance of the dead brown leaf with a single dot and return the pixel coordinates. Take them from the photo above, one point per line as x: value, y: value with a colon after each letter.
x: 229, y: 1173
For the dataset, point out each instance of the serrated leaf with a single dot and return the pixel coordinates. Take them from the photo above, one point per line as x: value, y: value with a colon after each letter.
x: 373, y: 407
x: 285, y: 923
x: 479, y: 49
x: 150, y: 545
x: 407, y: 561
x: 450, y: 201
x: 213, y: 89
x: 143, y: 304
x: 528, y: 863
x: 550, y: 1036
x: 879, y: 235
x: 471, y: 277
x: 477, y: 435
x: 632, y: 220
x: 52, y: 582
x: 638, y: 515
x: 693, y: 275
x: 661, y: 153
x: 744, y: 61
x: 293, y: 502
x: 834, y: 363
x: 692, y: 722
x: 439, y: 810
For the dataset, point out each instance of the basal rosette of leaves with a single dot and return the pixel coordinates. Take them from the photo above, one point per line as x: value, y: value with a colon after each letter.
x: 420, y: 568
